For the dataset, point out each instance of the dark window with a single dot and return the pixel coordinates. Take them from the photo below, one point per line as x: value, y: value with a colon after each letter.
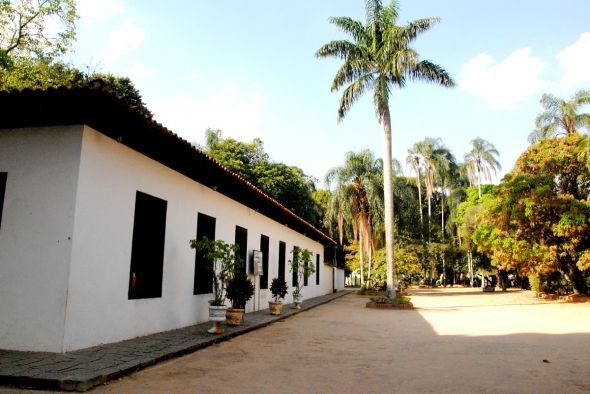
x: 264, y: 249
x: 203, y: 283
x: 295, y: 253
x: 317, y: 269
x: 147, y: 250
x: 241, y: 239
x: 3, y: 177
x: 282, y: 253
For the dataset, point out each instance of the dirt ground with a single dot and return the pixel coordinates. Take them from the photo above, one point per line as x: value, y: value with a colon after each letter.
x: 456, y: 340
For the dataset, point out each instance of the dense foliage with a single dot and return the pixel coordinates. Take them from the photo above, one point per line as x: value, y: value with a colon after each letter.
x: 539, y: 219
x: 287, y: 184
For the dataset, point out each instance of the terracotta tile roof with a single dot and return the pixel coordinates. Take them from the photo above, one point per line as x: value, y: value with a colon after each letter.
x: 98, y: 107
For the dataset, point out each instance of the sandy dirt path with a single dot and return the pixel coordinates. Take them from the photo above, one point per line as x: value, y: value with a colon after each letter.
x: 457, y: 340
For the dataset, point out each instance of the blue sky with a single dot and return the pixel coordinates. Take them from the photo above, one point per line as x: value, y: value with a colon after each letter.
x: 248, y: 68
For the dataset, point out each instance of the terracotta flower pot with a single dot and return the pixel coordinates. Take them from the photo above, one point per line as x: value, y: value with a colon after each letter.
x: 275, y: 307
x: 234, y: 316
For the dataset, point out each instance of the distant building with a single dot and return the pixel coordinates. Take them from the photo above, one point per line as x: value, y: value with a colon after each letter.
x: 97, y: 207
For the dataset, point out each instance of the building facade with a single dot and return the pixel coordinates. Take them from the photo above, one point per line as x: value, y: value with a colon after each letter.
x: 98, y: 207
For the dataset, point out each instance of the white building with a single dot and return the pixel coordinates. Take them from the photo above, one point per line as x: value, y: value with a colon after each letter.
x: 97, y: 207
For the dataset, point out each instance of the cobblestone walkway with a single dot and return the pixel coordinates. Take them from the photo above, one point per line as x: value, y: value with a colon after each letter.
x: 83, y: 369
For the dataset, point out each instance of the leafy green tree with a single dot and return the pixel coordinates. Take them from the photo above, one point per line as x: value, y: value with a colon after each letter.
x: 322, y: 199
x: 561, y: 116
x: 30, y: 73
x: 539, y: 221
x: 468, y: 218
x: 287, y: 184
x: 24, y: 32
x: 123, y: 87
x: 481, y: 162
x: 379, y: 58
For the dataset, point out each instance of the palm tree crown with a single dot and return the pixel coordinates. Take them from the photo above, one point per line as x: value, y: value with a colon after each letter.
x: 481, y: 161
x: 377, y: 58
x: 561, y: 116
x: 358, y: 199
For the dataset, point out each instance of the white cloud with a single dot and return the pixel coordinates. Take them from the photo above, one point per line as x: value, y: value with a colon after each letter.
x: 141, y: 71
x: 575, y: 60
x: 505, y: 84
x: 99, y: 9
x: 194, y: 76
x: 125, y: 39
x: 235, y: 112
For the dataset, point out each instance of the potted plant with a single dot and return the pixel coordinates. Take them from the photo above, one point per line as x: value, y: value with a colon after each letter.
x: 278, y: 289
x: 225, y: 263
x: 302, y: 266
x: 239, y: 290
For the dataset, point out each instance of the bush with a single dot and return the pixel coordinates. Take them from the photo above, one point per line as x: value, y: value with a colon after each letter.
x: 239, y: 290
x: 278, y: 288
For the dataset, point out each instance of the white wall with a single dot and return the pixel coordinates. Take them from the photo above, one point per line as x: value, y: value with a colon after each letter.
x: 340, y: 276
x: 35, y: 234
x: 98, y: 310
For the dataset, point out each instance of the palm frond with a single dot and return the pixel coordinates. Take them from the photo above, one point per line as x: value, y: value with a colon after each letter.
x: 430, y: 72
x: 350, y: 71
x: 341, y: 49
x: 352, y: 93
x: 351, y: 26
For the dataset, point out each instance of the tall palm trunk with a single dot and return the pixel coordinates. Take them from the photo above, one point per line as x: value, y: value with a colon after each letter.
x: 479, y: 181
x: 340, y: 219
x: 419, y: 197
x: 429, y: 215
x: 442, y: 231
x: 385, y: 120
x: 361, y: 240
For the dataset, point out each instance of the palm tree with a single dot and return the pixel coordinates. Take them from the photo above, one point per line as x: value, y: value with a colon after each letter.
x: 561, y: 116
x: 360, y: 199
x: 414, y: 162
x: 433, y: 159
x: 379, y: 58
x: 481, y: 161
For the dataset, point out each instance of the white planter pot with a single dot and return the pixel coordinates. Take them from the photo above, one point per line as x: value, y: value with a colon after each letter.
x: 216, y: 315
x: 297, y: 300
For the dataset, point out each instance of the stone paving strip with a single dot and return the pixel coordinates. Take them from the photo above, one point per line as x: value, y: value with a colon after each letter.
x: 83, y: 369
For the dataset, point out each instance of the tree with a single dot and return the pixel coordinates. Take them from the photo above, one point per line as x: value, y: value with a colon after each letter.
x: 414, y: 161
x: 32, y: 73
x: 561, y: 116
x: 379, y: 58
x: 434, y: 161
x: 358, y: 184
x: 24, y: 32
x: 539, y: 220
x: 123, y: 87
x: 29, y: 73
x: 286, y: 184
x: 481, y: 161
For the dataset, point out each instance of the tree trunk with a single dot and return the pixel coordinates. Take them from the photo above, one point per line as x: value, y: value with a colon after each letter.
x: 470, y: 263
x: 388, y: 199
x: 429, y: 215
x: 419, y: 197
x: 361, y: 258
x: 479, y: 182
